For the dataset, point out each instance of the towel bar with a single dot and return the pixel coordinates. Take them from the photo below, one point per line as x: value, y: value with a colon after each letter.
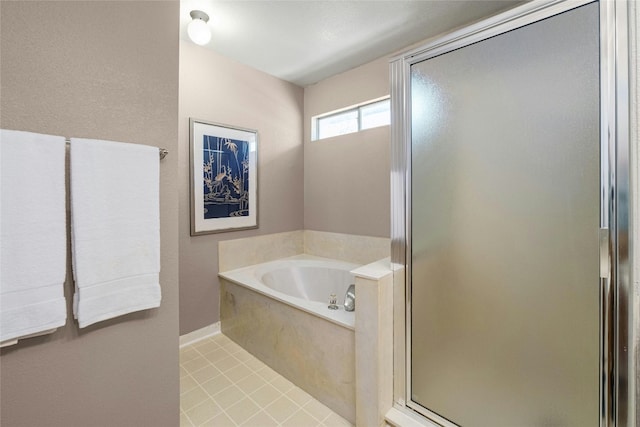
x: 162, y: 151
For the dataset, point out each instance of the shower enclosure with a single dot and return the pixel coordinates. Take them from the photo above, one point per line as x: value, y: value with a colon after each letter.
x: 510, y: 233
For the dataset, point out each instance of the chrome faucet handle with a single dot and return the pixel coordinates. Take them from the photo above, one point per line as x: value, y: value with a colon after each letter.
x: 350, y: 298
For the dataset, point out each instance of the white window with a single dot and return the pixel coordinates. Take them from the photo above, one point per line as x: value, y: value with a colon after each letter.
x: 353, y: 119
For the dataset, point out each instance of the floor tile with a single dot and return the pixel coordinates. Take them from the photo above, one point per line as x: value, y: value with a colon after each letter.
x: 206, y: 347
x: 282, y: 384
x: 221, y: 339
x: 192, y: 398
x: 254, y: 363
x: 184, y: 420
x: 216, y: 385
x: 220, y: 420
x: 266, y: 395
x: 187, y: 383
x: 242, y: 411
x: 267, y: 373
x: 183, y: 372
x: 281, y: 409
x: 196, y: 363
x: 227, y: 363
x: 251, y: 383
x: 188, y: 353
x: 299, y: 396
x: 216, y: 356
x: 244, y: 356
x: 224, y: 385
x: 261, y: 419
x: 317, y: 409
x: 203, y: 412
x: 205, y: 374
x: 301, y: 419
x: 335, y: 420
x: 237, y: 373
x: 229, y: 396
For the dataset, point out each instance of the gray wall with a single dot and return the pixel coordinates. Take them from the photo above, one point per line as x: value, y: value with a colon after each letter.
x: 346, y: 178
x: 216, y: 89
x: 98, y: 70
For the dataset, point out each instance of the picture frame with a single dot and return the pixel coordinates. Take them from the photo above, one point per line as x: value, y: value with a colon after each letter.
x: 223, y: 177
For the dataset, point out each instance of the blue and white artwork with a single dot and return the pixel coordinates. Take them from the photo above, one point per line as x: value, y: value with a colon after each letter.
x: 225, y: 177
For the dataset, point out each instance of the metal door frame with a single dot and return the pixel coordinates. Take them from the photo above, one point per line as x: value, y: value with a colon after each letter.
x: 617, y: 327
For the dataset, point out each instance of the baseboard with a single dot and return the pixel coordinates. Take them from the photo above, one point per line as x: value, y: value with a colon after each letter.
x: 199, y: 334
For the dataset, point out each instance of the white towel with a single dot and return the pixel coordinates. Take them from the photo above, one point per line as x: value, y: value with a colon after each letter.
x: 115, y: 228
x: 33, y: 233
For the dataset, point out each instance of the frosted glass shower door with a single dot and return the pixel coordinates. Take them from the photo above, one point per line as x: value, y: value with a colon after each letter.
x: 505, y: 205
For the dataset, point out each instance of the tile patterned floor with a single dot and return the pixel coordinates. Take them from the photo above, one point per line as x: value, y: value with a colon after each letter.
x: 222, y: 385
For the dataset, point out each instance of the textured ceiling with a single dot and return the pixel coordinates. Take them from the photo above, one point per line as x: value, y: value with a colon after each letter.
x: 306, y: 41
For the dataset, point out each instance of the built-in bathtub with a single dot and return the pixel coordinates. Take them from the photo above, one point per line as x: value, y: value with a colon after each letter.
x: 279, y: 312
x: 304, y: 281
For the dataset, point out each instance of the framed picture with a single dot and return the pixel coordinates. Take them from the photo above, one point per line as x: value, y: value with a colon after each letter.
x: 224, y: 178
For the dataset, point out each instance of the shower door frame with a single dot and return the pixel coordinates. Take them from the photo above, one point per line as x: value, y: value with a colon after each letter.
x: 617, y: 324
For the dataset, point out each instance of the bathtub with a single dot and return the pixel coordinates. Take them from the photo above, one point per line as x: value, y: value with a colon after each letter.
x: 278, y: 312
x: 302, y: 281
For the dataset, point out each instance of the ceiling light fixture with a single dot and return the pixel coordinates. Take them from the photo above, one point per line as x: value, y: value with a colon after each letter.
x: 198, y: 29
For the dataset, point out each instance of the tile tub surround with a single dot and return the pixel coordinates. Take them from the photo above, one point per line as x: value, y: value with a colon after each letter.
x: 374, y: 342
x: 237, y: 253
x: 346, y: 247
x: 221, y: 384
x: 313, y: 353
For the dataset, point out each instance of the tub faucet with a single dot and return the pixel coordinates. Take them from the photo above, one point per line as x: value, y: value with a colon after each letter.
x: 350, y: 299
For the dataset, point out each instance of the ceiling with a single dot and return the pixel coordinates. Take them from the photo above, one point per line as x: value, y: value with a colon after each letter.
x: 306, y: 41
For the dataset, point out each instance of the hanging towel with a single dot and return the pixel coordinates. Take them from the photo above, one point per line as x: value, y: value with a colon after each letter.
x: 115, y: 228
x: 33, y: 233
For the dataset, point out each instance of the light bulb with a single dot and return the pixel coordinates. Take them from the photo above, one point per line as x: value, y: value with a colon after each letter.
x: 198, y: 29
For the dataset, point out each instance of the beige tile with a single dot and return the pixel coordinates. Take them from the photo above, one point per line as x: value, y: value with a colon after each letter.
x: 216, y: 385
x: 335, y: 420
x: 205, y: 374
x: 251, y: 383
x: 243, y: 356
x: 221, y: 339
x: 229, y: 396
x: 184, y: 420
x: 232, y: 348
x: 261, y: 419
x: 195, y: 364
x: 281, y: 409
x: 282, y: 384
x: 266, y: 395
x: 254, y: 363
x: 299, y: 396
x: 206, y: 346
x: 187, y: 383
x: 217, y: 355
x: 317, y: 409
x: 267, y: 373
x: 183, y: 372
x: 242, y: 411
x: 187, y: 353
x: 220, y: 420
x: 301, y: 419
x: 237, y: 373
x: 227, y: 363
x: 203, y: 412
x: 192, y: 398
x: 238, y: 253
